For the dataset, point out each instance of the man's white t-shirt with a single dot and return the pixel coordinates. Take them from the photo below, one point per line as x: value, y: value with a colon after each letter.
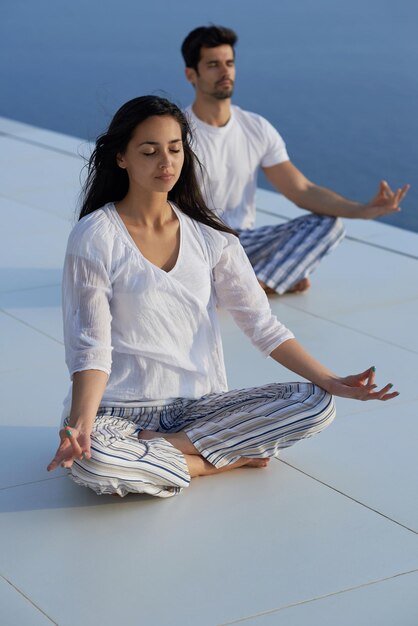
x: 231, y: 156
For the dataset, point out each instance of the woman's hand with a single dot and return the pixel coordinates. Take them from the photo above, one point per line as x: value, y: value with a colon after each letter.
x: 88, y: 388
x: 361, y: 387
x: 358, y: 387
x: 75, y: 444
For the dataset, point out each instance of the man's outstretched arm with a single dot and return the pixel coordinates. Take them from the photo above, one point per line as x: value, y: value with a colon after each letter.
x: 290, y: 181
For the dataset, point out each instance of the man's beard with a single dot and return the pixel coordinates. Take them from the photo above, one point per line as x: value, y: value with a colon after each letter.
x: 223, y: 94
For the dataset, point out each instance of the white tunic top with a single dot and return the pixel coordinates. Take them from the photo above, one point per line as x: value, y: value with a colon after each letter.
x: 232, y: 155
x: 156, y: 333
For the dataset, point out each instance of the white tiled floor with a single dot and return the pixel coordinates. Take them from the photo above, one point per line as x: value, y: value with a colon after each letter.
x: 32, y: 246
x: 326, y: 536
x: 224, y: 550
x: 18, y: 610
x: 376, y: 296
x: 25, y: 347
x: 344, y: 350
x: 380, y: 450
x: 385, y: 603
x: 39, y: 307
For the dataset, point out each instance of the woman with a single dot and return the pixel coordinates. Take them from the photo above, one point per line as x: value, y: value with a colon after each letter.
x: 145, y: 268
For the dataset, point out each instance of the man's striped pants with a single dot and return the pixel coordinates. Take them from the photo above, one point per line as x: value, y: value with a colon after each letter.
x: 284, y: 254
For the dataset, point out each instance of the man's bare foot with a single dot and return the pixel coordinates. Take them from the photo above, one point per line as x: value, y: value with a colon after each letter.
x: 269, y: 291
x: 300, y: 286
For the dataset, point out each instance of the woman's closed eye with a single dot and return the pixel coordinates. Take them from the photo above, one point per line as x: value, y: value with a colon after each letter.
x: 154, y: 153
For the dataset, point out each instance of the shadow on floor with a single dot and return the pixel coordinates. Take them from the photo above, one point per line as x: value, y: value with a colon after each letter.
x: 25, y: 484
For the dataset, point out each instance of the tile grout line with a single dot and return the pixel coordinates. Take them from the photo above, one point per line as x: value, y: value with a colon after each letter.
x: 34, y: 207
x: 28, y: 599
x: 41, y: 332
x: 355, y: 413
x: 408, y: 255
x: 25, y: 289
x: 32, y: 482
x: 346, y: 327
x: 342, y: 493
x: 327, y: 595
x: 45, y: 146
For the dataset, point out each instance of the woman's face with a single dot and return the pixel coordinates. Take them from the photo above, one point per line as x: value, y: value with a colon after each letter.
x: 154, y: 156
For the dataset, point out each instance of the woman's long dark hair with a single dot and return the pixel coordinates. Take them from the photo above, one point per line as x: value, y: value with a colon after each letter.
x: 107, y: 182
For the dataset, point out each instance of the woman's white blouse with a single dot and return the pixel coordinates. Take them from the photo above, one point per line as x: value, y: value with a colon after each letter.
x: 156, y: 333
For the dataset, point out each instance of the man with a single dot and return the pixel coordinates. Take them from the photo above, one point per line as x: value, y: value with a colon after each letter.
x: 233, y: 144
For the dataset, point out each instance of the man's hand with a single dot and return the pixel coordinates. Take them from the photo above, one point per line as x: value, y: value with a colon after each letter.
x: 384, y: 202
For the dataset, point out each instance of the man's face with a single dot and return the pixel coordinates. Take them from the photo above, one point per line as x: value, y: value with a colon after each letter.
x: 215, y: 73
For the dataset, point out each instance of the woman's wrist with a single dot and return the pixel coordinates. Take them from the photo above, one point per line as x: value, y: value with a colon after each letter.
x: 82, y: 423
x: 328, y: 383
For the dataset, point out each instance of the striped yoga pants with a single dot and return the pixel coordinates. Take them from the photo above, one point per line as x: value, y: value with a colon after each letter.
x: 283, y: 254
x: 253, y: 423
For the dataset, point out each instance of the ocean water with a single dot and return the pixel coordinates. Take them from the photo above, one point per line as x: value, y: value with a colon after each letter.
x: 339, y: 80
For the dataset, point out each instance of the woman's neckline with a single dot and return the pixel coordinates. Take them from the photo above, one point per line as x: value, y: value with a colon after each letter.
x: 120, y: 223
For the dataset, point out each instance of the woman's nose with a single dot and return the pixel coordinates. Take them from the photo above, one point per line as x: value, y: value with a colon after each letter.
x: 165, y: 161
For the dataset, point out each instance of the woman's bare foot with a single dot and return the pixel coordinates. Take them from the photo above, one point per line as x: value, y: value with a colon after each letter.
x: 257, y: 463
x: 198, y: 466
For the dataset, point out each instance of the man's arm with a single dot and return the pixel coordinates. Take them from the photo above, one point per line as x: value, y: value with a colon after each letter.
x: 290, y: 181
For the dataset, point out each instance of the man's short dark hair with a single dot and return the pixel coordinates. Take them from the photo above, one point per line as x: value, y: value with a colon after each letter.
x: 205, y: 37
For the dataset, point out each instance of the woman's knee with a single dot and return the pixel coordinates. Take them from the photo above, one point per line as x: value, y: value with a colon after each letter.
x: 330, y: 411
x: 324, y: 412
x: 317, y: 406
x: 145, y: 468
